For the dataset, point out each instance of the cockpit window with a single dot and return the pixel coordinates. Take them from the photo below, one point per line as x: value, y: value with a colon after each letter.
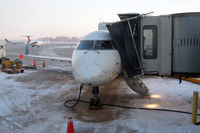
x: 85, y: 45
x: 98, y: 45
x: 101, y: 45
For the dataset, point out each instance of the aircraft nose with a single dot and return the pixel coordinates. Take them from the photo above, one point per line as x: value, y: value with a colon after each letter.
x: 87, y: 74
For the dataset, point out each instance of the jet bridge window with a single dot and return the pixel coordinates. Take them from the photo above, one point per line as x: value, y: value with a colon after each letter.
x: 85, y: 45
x: 103, y: 45
x: 150, y: 42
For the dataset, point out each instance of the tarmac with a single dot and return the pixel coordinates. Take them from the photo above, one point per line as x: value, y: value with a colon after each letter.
x: 34, y: 100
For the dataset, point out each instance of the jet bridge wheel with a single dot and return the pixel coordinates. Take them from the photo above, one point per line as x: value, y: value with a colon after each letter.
x: 95, y: 102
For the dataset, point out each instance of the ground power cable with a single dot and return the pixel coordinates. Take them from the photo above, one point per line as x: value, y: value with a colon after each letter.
x: 71, y: 100
x: 121, y: 106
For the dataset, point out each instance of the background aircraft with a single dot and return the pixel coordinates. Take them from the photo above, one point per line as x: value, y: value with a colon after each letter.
x: 13, y: 42
x: 39, y: 43
x: 34, y: 43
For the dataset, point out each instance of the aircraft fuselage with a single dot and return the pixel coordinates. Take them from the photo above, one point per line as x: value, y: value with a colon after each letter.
x: 95, y: 62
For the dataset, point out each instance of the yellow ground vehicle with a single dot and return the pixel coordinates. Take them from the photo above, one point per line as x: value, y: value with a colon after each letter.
x: 9, y: 66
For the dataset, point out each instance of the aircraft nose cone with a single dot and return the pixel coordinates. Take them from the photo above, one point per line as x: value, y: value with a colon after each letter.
x: 87, y: 74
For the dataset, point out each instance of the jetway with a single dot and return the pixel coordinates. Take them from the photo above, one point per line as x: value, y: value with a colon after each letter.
x: 126, y: 37
x: 159, y: 45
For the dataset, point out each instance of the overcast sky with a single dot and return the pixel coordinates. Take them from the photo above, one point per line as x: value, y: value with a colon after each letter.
x: 42, y: 18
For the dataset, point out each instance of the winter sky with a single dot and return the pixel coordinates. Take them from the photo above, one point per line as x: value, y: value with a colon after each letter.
x: 42, y: 18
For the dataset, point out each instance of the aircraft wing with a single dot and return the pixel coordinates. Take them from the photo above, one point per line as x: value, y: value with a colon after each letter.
x: 62, y: 43
x: 45, y: 57
x: 15, y: 42
x: 50, y: 58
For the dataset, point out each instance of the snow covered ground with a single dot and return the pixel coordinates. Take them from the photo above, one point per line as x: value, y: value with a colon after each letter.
x: 32, y: 102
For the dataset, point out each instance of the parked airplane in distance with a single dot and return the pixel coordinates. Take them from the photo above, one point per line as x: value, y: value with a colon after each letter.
x: 13, y: 42
x: 40, y: 43
x: 34, y: 43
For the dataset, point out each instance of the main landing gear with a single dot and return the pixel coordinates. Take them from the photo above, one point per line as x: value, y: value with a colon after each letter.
x: 95, y: 100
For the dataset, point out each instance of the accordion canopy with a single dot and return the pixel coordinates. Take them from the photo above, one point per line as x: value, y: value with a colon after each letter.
x: 126, y: 38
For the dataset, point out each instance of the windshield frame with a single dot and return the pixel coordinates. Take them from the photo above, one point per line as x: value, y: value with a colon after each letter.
x: 94, y: 44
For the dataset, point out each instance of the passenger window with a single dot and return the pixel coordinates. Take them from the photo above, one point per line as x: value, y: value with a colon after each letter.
x: 149, y: 42
x: 85, y: 45
x: 102, y: 45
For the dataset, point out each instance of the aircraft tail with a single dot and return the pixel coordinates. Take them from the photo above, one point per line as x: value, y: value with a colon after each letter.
x: 29, y: 39
x: 6, y: 40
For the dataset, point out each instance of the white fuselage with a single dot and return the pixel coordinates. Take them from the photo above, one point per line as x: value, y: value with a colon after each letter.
x: 35, y: 43
x: 95, y: 61
x: 95, y: 67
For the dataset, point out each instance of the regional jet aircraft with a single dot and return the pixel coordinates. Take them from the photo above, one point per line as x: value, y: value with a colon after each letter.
x: 95, y: 62
x: 34, y: 43
x: 39, y: 43
x: 12, y: 42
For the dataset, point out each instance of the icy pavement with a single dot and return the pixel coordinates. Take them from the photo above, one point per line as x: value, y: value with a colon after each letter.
x: 33, y: 103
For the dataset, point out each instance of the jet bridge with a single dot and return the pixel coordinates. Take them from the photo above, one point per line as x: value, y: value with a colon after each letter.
x: 158, y: 45
x: 126, y: 37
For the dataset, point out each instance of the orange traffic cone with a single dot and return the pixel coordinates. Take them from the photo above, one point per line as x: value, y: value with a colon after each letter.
x: 44, y: 65
x: 70, y: 126
x: 21, y: 56
x: 34, y: 63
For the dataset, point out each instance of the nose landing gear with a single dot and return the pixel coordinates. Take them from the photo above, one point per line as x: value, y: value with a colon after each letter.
x: 95, y: 102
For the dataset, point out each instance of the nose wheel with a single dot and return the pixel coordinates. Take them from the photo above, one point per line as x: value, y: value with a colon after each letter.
x: 95, y: 102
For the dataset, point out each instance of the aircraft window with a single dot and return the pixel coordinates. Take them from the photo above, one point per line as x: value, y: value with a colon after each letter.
x: 2, y: 46
x: 85, y: 45
x: 97, y: 45
x: 149, y: 42
x: 101, y: 45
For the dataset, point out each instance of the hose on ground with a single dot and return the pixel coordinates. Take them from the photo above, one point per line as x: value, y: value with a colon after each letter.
x: 120, y: 106
x: 77, y: 100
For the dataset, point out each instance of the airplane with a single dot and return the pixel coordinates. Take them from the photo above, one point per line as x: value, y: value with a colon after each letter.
x: 9, y: 41
x: 34, y: 43
x: 12, y: 42
x: 94, y: 62
x: 39, y: 43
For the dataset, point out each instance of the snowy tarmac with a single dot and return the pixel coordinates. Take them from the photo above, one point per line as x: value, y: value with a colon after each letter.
x: 32, y: 102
